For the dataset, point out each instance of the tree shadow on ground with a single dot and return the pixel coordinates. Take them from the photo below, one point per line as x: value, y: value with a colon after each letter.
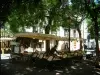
x: 77, y: 68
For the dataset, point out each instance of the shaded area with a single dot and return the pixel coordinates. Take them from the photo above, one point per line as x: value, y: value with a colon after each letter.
x: 4, y: 11
x: 78, y: 68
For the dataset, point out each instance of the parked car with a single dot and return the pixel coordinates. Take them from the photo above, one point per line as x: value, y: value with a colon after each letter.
x: 90, y: 53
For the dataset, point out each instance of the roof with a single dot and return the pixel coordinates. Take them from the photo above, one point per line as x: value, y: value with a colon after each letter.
x: 41, y: 36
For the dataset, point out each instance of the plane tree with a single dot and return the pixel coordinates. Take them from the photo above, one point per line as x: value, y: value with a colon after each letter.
x: 52, y: 18
x: 25, y: 14
x: 4, y: 11
x: 91, y: 28
x: 33, y: 13
x: 37, y: 12
x: 93, y: 11
x: 75, y: 10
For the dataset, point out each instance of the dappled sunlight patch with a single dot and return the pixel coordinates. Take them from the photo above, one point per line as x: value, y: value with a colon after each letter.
x: 59, y: 71
x: 73, y: 67
x: 16, y: 71
x: 77, y: 64
x: 46, y: 70
x: 34, y: 67
x: 29, y: 69
x: 87, y: 64
x: 80, y: 68
x: 66, y: 69
x: 19, y: 74
x: 68, y: 72
x: 5, y: 65
x: 98, y: 72
x: 40, y: 70
x: 84, y: 62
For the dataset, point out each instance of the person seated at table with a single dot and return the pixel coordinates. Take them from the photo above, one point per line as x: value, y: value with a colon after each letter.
x: 53, y: 50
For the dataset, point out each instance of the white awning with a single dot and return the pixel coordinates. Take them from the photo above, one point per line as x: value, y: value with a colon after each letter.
x: 6, y: 39
x: 42, y: 36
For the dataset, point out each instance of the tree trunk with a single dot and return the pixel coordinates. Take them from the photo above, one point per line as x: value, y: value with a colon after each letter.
x: 47, y: 30
x: 80, y: 38
x: 94, y: 15
x: 96, y: 27
x: 69, y: 38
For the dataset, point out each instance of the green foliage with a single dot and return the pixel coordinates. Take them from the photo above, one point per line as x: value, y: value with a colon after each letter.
x: 29, y: 13
x: 6, y: 30
x: 25, y: 14
x: 32, y: 13
x: 91, y: 27
x: 76, y: 12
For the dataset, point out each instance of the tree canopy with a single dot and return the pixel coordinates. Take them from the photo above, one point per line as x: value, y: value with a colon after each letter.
x: 50, y: 14
x: 5, y: 5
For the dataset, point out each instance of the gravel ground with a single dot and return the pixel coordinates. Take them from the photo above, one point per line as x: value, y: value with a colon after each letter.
x: 79, y: 68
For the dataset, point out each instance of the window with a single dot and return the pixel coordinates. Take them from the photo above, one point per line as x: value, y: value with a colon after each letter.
x: 74, y: 33
x: 40, y: 45
x: 66, y: 32
x: 54, y: 32
x: 40, y: 30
